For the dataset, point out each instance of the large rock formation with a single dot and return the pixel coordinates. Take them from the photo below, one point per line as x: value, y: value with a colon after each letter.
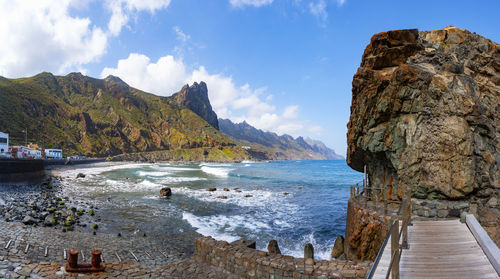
x: 425, y: 115
x: 195, y: 97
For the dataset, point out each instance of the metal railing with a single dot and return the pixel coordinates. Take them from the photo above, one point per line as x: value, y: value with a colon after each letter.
x: 395, y: 234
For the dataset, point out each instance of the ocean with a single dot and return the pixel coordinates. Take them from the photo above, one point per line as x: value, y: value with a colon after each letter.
x: 294, y: 202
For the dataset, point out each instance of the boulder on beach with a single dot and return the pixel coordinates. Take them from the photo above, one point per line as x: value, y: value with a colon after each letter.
x: 28, y: 220
x: 338, y: 247
x: 165, y: 192
x: 226, y: 189
x: 222, y: 197
x: 211, y: 189
x: 80, y: 175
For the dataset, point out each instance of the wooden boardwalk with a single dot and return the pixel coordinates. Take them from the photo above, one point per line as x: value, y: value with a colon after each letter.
x: 440, y: 249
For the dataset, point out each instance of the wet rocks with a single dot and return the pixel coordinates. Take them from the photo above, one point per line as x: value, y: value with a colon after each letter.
x: 35, y: 205
x: 80, y: 175
x: 338, y: 247
x: 28, y: 220
x: 226, y: 189
x: 211, y: 189
x: 248, y: 196
x: 273, y: 248
x: 165, y: 192
x: 222, y: 197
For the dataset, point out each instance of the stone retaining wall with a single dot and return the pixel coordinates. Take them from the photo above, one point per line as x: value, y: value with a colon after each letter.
x: 439, y: 208
x: 245, y: 262
x: 21, y: 170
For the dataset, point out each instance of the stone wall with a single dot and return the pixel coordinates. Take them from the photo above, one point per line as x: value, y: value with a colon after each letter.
x: 19, y: 170
x: 245, y: 262
x: 438, y: 208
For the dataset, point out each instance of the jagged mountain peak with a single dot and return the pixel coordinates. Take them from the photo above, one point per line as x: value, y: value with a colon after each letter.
x: 112, y: 78
x: 195, y: 97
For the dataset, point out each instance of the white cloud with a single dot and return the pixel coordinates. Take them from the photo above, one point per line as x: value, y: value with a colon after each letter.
x: 340, y: 2
x: 181, y: 36
x: 164, y: 77
x: 291, y: 112
x: 318, y: 9
x: 122, y: 10
x: 167, y: 76
x: 255, y: 3
x: 42, y: 36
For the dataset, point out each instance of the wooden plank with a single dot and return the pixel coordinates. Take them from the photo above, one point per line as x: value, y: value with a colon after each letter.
x: 489, y: 247
x: 440, y: 249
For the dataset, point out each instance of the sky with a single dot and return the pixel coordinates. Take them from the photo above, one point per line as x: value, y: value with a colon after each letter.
x: 284, y: 66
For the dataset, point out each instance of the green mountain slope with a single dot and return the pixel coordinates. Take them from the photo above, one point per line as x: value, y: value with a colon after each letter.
x: 100, y: 117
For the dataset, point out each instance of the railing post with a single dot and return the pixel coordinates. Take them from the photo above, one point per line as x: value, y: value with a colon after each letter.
x: 351, y: 191
x: 357, y: 191
x: 365, y: 187
x: 395, y: 249
x: 385, y: 201
x: 404, y: 216
x: 409, y: 207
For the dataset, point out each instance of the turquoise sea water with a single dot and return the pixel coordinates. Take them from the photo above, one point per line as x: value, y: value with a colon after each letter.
x: 312, y: 211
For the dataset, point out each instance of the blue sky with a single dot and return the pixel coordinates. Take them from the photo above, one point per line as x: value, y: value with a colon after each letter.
x: 283, y: 66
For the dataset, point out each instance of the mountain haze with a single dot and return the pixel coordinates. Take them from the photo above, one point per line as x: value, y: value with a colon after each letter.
x: 283, y: 147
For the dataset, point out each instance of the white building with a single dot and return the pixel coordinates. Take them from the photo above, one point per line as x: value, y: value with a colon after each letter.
x: 35, y: 154
x: 53, y: 153
x: 4, y: 144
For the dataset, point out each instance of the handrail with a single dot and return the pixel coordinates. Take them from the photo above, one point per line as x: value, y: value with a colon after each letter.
x: 396, y: 254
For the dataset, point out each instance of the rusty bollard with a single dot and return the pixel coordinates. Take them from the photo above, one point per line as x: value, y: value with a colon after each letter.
x: 96, y: 259
x: 73, y: 258
x: 73, y: 266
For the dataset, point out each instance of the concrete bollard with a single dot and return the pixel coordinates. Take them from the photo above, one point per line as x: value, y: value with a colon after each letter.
x: 273, y: 247
x: 308, y: 251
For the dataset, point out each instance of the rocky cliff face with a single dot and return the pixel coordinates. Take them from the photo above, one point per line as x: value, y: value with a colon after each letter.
x: 425, y: 114
x: 195, y: 97
x: 101, y: 117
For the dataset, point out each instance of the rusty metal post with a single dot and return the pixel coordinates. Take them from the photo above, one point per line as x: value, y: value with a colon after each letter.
x: 395, y: 249
x: 385, y: 201
x: 96, y: 258
x: 73, y: 258
x: 350, y: 187
x: 357, y: 192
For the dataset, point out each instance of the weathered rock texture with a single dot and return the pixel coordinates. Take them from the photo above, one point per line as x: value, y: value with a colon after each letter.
x: 364, y: 233
x: 195, y: 97
x: 425, y: 114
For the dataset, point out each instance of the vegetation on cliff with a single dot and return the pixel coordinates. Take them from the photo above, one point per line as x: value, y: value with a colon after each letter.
x: 99, y: 117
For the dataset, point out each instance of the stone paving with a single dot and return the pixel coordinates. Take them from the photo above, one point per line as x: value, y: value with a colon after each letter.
x: 45, y: 254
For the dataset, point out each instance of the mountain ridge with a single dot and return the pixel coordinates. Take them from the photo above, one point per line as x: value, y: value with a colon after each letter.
x: 281, y: 147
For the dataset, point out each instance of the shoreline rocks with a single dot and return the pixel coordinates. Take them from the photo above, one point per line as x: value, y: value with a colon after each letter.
x: 165, y: 192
